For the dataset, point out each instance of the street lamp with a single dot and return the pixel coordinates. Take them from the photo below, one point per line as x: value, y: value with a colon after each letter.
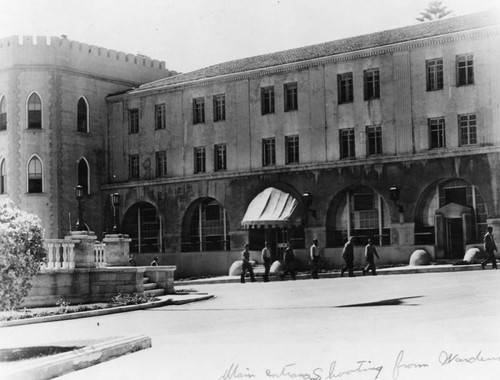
x: 80, y: 224
x: 394, y: 193
x: 307, y: 199
x: 115, y: 202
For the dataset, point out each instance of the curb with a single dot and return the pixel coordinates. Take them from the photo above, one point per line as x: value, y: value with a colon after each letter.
x: 383, y: 272
x: 94, y: 313
x: 60, y: 364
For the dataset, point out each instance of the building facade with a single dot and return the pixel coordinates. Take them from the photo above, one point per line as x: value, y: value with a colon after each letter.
x: 309, y: 142
x: 53, y: 123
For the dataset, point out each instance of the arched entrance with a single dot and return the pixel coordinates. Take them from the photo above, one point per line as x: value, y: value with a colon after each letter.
x: 205, y: 227
x: 361, y: 213
x: 143, y: 225
x: 276, y: 217
x: 450, y: 215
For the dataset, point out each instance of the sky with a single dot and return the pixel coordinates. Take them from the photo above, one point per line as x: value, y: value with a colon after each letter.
x: 192, y: 34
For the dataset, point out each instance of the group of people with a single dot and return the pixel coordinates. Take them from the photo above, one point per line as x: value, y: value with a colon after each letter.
x: 314, y: 253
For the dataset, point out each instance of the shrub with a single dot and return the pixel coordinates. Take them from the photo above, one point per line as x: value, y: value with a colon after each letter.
x: 124, y: 299
x: 21, y: 252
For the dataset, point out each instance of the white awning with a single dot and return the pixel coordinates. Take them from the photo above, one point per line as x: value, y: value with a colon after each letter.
x: 271, y: 208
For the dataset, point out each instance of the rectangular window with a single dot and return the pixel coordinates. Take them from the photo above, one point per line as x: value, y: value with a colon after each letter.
x: 199, y: 159
x: 465, y: 69
x: 291, y: 99
x: 220, y: 157
x: 467, y: 129
x: 292, y: 149
x: 374, y: 139
x: 347, y: 143
x: 345, y: 88
x: 437, y: 133
x: 161, y: 163
x: 219, y: 107
x: 198, y: 110
x: 268, y: 151
x: 267, y: 100
x: 133, y: 166
x: 372, y: 84
x: 434, y: 71
x: 160, y: 116
x: 133, y: 121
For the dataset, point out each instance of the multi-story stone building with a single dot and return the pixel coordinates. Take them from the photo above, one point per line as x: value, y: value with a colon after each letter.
x: 53, y: 123
x: 308, y: 143
x: 393, y: 136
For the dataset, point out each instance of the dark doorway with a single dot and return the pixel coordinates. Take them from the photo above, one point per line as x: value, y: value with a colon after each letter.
x: 455, y: 238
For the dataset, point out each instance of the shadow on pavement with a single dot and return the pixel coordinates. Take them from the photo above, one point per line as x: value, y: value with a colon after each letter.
x: 389, y: 302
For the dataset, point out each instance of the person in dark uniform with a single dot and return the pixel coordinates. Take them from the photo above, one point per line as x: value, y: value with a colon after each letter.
x: 132, y: 261
x: 348, y: 256
x: 314, y: 254
x: 289, y: 262
x: 266, y: 259
x: 246, y: 266
x: 370, y: 253
x: 490, y: 248
x: 155, y: 262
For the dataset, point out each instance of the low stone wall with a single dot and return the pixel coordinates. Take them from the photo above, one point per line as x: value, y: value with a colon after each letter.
x: 84, y: 285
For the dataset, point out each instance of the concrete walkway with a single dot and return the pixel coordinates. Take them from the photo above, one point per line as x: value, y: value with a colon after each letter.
x: 438, y: 268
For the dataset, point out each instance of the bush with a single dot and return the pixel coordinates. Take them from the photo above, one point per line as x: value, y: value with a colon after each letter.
x: 124, y: 299
x: 21, y: 252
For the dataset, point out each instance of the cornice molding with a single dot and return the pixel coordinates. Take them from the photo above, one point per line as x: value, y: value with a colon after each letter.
x: 322, y: 61
x: 333, y: 165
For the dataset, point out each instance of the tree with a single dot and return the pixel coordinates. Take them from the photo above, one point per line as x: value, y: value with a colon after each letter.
x: 435, y: 10
x: 21, y: 252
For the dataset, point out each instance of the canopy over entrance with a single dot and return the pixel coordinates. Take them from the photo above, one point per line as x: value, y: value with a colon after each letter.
x: 271, y: 208
x: 453, y: 210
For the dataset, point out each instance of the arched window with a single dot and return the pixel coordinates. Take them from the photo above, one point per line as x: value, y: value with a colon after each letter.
x: 3, y: 177
x: 143, y: 225
x: 361, y: 213
x: 34, y: 112
x: 84, y: 175
x: 205, y: 227
x: 35, y: 176
x: 82, y: 116
x: 3, y: 114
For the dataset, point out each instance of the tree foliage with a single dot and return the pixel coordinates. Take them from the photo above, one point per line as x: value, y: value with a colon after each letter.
x: 435, y: 10
x: 21, y: 252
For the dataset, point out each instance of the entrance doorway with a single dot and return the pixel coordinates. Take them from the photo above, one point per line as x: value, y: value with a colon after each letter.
x: 454, y: 239
x: 454, y: 229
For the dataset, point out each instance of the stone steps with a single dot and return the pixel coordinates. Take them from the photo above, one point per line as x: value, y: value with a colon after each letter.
x: 151, y: 288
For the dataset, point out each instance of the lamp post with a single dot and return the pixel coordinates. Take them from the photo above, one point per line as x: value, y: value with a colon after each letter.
x: 394, y: 193
x: 80, y: 224
x: 115, y: 202
x: 307, y: 199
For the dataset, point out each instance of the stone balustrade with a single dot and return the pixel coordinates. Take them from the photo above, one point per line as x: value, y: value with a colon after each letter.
x: 100, y: 255
x: 60, y: 254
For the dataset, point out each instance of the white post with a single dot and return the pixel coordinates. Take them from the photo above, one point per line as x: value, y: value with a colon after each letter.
x: 71, y: 255
x: 50, y: 255
x: 65, y: 264
x: 57, y: 258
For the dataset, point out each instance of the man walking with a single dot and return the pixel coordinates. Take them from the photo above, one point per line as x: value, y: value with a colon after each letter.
x: 289, y: 261
x: 370, y: 252
x: 490, y: 248
x: 348, y: 256
x: 245, y: 257
x: 266, y: 259
x: 314, y: 253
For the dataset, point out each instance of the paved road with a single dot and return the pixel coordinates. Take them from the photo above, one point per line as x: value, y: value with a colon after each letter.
x: 423, y: 326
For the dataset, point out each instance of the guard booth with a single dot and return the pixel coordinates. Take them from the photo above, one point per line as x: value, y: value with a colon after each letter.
x: 276, y: 217
x: 454, y: 229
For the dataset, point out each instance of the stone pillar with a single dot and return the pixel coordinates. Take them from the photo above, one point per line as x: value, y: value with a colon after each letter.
x: 315, y: 233
x: 238, y: 239
x: 84, y: 248
x: 403, y: 233
x: 117, y: 249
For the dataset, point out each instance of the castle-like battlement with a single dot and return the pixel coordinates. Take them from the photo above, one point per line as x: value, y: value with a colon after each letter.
x: 60, y: 51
